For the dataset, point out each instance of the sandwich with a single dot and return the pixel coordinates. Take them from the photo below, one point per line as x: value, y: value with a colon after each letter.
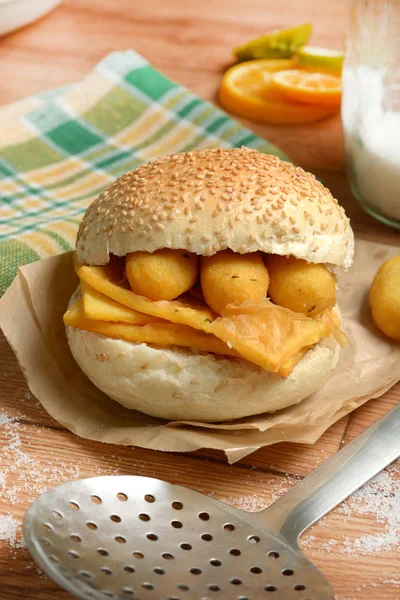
x: 207, y: 286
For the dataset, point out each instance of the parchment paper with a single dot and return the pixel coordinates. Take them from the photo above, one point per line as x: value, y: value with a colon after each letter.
x: 31, y: 317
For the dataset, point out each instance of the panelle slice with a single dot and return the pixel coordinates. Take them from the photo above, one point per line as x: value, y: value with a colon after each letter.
x: 101, y: 308
x: 160, y: 334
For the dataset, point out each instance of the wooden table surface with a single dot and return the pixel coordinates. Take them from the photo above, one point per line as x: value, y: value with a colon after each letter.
x: 191, y: 43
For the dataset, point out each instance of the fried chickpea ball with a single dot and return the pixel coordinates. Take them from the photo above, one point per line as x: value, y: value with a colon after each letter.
x: 300, y: 286
x: 230, y: 278
x: 161, y: 275
x: 384, y: 298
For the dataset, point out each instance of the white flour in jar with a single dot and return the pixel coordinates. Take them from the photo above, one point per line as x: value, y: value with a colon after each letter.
x: 372, y: 138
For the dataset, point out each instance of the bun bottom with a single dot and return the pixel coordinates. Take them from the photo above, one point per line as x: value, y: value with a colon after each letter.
x: 179, y: 384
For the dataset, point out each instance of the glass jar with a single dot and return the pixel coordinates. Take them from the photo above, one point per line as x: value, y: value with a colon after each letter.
x: 371, y: 107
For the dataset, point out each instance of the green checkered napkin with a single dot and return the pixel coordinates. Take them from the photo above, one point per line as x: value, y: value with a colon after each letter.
x: 59, y: 149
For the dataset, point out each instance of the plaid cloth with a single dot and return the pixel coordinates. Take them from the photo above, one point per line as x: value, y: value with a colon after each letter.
x: 59, y: 149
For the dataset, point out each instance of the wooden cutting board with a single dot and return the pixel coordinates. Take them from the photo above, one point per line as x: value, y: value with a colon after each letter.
x: 190, y: 42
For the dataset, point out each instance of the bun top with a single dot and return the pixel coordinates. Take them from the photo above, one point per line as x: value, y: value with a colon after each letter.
x: 210, y: 200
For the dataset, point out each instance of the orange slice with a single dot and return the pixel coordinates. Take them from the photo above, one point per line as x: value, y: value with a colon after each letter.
x: 314, y: 88
x: 247, y: 91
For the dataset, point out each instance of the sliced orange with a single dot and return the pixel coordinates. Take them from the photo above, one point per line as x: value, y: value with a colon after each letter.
x: 323, y: 89
x: 247, y: 91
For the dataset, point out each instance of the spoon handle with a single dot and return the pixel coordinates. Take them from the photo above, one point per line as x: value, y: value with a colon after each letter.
x: 335, y: 479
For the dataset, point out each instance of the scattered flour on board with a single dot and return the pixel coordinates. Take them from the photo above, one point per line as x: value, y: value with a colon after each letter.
x: 255, y: 503
x: 394, y: 582
x: 21, y: 472
x: 9, y: 529
x: 379, y: 498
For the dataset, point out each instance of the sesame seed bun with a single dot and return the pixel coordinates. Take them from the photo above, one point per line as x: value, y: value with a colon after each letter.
x: 210, y: 200
x: 180, y: 384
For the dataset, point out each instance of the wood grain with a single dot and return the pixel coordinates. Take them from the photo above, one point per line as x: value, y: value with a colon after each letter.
x: 191, y: 43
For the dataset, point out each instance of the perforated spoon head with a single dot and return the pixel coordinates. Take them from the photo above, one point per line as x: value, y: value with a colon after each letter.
x: 142, y: 538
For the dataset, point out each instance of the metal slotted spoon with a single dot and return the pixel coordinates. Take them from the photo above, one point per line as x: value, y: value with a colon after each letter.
x: 134, y: 537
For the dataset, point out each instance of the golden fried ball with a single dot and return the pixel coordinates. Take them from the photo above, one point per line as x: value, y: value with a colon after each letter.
x: 384, y: 298
x: 300, y: 286
x: 230, y: 278
x: 161, y: 275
